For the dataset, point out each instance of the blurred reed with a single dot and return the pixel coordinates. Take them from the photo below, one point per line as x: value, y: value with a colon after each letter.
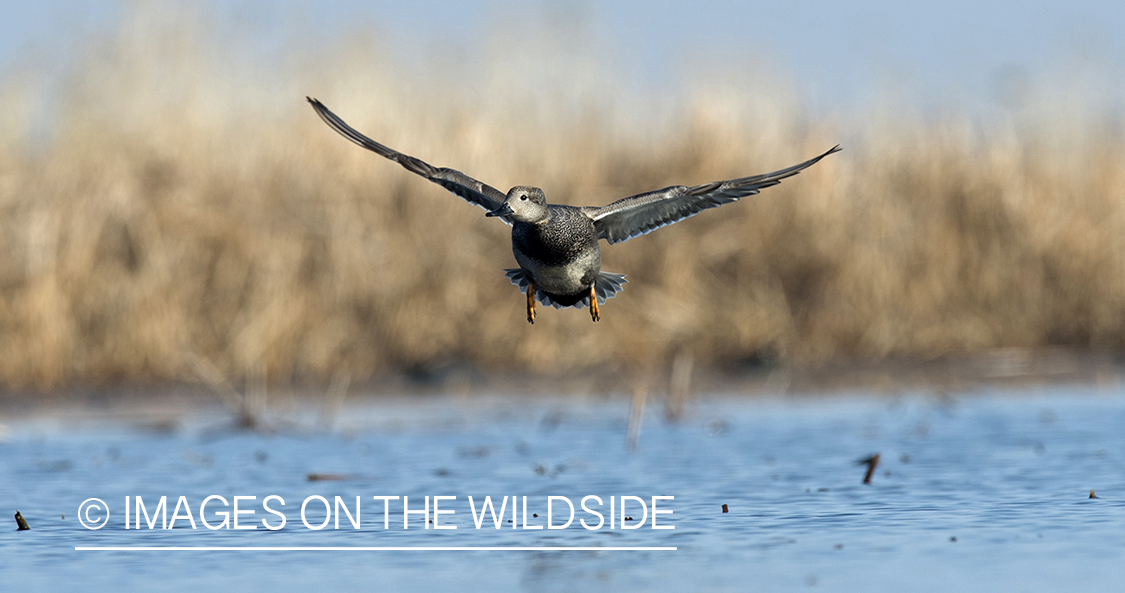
x: 184, y: 202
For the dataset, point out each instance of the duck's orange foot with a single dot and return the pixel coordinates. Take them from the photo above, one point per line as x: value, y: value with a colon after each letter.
x: 531, y: 303
x: 594, y: 312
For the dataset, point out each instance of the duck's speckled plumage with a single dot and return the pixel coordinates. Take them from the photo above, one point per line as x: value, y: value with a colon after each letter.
x: 557, y: 246
x: 560, y: 254
x: 566, y: 235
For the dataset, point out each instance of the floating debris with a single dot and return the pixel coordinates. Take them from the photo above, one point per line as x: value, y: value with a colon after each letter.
x: 478, y: 452
x: 551, y: 420
x: 716, y: 428
x: 21, y: 522
x: 725, y: 509
x: 59, y: 465
x: 953, y: 538
x: 1092, y: 495
x: 205, y: 461
x: 871, y: 463
x: 839, y: 546
x: 328, y: 477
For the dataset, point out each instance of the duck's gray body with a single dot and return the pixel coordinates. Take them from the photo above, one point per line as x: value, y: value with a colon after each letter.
x: 561, y: 254
x: 561, y: 257
x: 557, y: 246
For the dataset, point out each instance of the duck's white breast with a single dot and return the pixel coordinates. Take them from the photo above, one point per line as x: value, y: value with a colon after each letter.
x: 567, y: 279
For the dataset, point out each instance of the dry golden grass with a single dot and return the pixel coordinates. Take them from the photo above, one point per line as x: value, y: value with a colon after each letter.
x: 186, y: 204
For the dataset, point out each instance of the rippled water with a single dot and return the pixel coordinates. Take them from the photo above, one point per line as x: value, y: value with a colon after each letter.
x: 982, y: 492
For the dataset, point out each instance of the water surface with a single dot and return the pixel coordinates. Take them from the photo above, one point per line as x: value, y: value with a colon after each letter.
x: 979, y: 492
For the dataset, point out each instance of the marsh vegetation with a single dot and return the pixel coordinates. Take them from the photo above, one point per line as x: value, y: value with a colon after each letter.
x: 165, y: 199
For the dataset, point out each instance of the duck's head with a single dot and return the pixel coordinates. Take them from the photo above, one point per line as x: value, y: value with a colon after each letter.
x: 523, y: 204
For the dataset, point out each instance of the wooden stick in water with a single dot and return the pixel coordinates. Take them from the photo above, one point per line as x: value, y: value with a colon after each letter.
x: 872, y: 462
x: 21, y: 522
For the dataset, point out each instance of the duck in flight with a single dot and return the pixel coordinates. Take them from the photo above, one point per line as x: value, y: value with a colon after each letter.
x: 556, y: 246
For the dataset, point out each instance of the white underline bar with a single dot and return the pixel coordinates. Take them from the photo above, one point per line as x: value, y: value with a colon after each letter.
x: 371, y: 548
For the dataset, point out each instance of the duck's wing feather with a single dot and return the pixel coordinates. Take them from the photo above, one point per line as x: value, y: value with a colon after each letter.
x: 643, y: 213
x: 466, y: 187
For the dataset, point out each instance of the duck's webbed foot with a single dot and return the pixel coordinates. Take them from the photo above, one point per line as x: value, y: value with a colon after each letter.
x: 531, y: 303
x: 594, y: 313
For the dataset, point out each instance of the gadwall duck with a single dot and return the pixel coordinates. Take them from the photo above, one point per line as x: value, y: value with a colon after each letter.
x: 556, y: 246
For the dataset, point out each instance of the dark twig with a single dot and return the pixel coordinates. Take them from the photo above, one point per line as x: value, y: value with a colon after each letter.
x: 871, y: 462
x: 21, y: 522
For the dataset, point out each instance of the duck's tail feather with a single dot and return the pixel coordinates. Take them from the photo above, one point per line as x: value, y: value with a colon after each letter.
x: 606, y: 286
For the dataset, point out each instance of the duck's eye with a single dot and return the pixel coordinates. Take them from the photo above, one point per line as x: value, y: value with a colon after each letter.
x: 524, y: 198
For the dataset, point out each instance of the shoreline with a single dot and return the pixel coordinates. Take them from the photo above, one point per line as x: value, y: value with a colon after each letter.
x: 1006, y: 369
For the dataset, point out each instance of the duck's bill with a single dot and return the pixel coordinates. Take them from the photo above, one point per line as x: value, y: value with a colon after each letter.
x: 503, y: 210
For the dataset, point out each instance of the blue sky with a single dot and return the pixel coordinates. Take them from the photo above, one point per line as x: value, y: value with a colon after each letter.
x: 833, y: 53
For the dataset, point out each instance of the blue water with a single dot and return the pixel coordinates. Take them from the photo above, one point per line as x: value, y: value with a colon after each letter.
x: 975, y: 492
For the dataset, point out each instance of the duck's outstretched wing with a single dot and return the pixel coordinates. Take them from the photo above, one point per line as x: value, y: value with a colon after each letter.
x: 644, y: 213
x: 466, y: 187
